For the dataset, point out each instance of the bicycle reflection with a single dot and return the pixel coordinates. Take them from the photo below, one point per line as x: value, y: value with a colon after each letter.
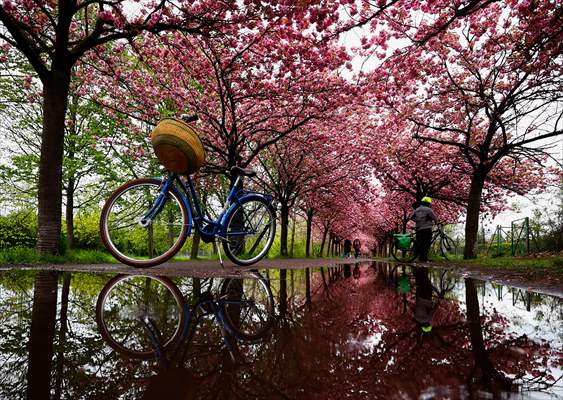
x: 149, y: 317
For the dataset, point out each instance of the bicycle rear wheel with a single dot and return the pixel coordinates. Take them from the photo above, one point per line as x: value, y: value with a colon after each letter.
x: 248, y: 306
x: 403, y: 255
x: 127, y: 298
x: 249, y: 232
x: 143, y: 244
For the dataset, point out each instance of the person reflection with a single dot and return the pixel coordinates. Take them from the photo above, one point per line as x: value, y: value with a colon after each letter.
x: 347, y: 270
x: 424, y: 306
x: 356, y: 272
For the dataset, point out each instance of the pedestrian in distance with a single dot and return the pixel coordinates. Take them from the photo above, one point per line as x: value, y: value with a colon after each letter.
x: 347, y: 248
x: 357, y: 248
x: 424, y: 218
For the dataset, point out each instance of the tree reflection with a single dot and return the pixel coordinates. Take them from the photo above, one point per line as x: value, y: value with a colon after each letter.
x: 41, y: 335
x: 484, y: 374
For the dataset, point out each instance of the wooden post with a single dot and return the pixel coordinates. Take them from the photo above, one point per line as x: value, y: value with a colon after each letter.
x: 499, y: 233
x: 527, y: 222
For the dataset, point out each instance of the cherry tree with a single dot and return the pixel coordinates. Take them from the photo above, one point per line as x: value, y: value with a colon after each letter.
x: 319, y: 156
x: 423, y: 168
x: 490, y: 89
x: 250, y: 88
x: 339, y: 209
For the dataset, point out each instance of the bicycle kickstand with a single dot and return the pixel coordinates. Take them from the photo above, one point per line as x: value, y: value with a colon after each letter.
x: 219, y: 252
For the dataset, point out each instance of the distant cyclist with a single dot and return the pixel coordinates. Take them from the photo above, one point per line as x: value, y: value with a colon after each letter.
x: 424, y: 218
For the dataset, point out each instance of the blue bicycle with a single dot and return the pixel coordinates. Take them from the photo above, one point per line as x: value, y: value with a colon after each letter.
x: 146, y: 221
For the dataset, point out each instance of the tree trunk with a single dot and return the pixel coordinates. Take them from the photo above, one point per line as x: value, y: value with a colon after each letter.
x: 472, y: 219
x: 292, y: 283
x: 150, y: 240
x: 323, y: 242
x: 70, y: 215
x: 170, y: 234
x: 41, y: 335
x: 197, y: 290
x: 195, y: 246
x: 238, y: 219
x: 309, y: 232
x: 284, y: 216
x: 55, y: 101
x: 292, y: 245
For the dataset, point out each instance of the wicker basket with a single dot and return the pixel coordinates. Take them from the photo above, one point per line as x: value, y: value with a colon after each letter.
x: 177, y: 146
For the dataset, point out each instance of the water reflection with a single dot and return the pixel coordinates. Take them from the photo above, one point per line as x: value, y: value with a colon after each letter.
x: 358, y: 331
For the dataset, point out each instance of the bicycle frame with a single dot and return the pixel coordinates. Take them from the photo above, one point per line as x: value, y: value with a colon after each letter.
x: 196, y: 217
x: 436, y: 234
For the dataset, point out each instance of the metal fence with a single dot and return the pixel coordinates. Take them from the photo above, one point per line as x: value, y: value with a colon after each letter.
x: 516, y: 239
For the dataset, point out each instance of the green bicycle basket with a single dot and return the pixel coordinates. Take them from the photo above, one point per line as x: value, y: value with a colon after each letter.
x: 402, y: 240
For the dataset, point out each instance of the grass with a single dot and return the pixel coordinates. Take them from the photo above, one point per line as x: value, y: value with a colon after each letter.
x: 24, y: 255
x: 551, y: 263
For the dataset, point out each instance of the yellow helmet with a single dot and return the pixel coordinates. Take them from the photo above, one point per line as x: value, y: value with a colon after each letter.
x: 426, y: 199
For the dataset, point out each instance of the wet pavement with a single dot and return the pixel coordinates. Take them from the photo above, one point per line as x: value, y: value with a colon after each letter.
x: 354, y: 331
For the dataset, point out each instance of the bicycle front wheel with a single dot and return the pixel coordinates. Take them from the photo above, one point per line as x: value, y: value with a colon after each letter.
x: 125, y: 299
x: 248, y: 306
x: 448, y: 248
x: 130, y: 236
x: 249, y: 232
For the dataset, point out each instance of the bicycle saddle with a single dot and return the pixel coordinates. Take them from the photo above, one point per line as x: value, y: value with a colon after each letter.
x: 241, y: 171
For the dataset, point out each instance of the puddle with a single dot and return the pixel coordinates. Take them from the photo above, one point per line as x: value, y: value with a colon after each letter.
x: 357, y: 331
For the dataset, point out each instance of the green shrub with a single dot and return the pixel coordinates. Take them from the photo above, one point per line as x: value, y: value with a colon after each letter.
x: 87, y: 231
x: 504, y: 250
x: 18, y: 229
